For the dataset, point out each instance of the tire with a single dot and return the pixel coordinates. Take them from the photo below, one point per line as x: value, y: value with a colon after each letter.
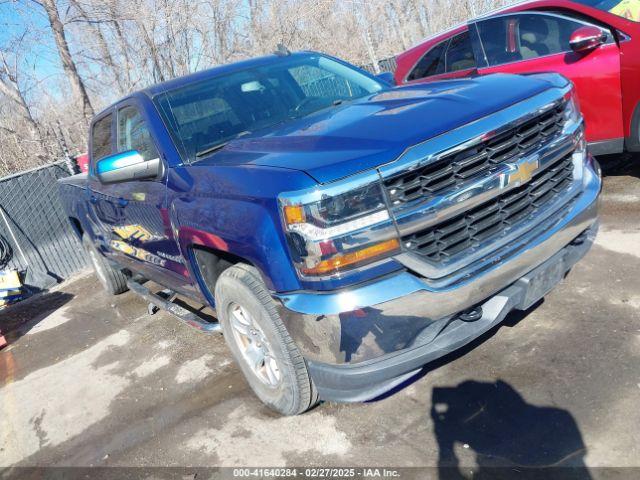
x: 112, y: 279
x: 281, y: 380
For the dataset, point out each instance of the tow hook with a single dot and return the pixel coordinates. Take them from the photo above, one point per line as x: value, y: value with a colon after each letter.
x: 580, y: 239
x: 471, y: 315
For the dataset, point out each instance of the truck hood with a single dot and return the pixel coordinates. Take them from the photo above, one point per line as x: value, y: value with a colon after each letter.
x: 369, y: 132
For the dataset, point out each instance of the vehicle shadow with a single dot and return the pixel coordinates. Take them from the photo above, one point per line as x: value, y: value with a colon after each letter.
x: 507, y: 436
x: 624, y: 164
x: 492, y: 422
x: 16, y: 320
x: 511, y: 320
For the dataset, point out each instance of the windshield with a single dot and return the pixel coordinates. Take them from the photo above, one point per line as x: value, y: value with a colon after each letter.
x: 203, y: 116
x: 629, y: 9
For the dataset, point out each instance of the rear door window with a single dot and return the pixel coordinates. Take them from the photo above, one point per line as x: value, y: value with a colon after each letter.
x: 459, y: 54
x: 101, y: 141
x: 432, y: 63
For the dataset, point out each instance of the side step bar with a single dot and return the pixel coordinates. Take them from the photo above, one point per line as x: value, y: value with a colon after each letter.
x: 182, y: 314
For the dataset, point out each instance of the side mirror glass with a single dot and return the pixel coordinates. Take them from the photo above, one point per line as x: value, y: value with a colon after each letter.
x: 126, y: 166
x: 386, y: 77
x: 587, y: 38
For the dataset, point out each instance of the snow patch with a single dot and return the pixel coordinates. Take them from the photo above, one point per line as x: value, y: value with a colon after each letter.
x: 53, y: 320
x: 620, y: 241
x: 66, y: 406
x: 164, y: 344
x: 621, y: 198
x: 152, y: 365
x: 194, y: 370
x: 234, y: 443
x: 633, y: 302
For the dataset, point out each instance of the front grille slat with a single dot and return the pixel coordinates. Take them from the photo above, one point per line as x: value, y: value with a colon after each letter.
x: 489, y: 231
x: 490, y: 219
x: 457, y: 168
x: 471, y: 171
x: 470, y: 158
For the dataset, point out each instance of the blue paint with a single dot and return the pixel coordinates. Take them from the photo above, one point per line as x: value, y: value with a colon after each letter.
x: 232, y: 193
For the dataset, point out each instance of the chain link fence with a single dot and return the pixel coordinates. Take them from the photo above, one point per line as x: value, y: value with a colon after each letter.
x: 385, y: 65
x: 37, y: 237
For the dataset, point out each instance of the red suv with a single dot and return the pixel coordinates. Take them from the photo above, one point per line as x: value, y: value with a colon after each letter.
x: 595, y: 43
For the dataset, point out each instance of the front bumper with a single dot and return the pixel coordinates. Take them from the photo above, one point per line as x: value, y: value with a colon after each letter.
x: 361, y: 342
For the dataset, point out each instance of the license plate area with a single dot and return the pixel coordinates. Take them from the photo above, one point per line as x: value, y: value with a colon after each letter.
x: 541, y: 281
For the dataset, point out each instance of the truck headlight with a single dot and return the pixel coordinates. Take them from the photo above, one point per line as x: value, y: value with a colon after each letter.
x: 572, y: 113
x: 339, y: 227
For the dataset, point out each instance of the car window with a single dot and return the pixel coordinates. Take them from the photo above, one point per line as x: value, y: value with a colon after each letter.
x: 431, y: 63
x: 101, y: 138
x: 511, y: 38
x: 205, y: 114
x: 459, y: 54
x: 319, y: 83
x: 133, y: 133
x: 208, y: 116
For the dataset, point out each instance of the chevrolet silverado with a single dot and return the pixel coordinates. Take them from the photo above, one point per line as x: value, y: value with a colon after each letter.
x: 347, y: 231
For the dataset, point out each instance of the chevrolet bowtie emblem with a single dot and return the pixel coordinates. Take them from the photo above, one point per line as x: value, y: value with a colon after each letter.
x: 519, y: 172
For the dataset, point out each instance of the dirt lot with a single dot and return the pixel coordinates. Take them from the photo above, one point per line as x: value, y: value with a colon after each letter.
x: 94, y: 380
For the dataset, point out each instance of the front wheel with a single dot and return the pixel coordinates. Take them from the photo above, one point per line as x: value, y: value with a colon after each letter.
x: 260, y: 343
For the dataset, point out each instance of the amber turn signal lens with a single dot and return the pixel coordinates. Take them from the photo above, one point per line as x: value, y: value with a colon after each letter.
x: 293, y: 214
x: 352, y: 258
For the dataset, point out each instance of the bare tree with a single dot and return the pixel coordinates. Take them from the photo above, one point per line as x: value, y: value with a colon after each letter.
x: 105, y: 57
x: 10, y: 89
x: 69, y: 66
x: 108, y: 48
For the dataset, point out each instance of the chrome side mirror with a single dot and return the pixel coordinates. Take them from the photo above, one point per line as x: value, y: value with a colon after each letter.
x: 587, y: 38
x: 126, y: 166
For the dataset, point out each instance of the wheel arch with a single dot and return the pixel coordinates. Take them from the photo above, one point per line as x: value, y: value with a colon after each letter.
x: 632, y: 142
x: 208, y: 264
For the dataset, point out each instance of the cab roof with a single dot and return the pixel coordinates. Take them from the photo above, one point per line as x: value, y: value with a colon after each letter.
x: 158, y: 88
x: 162, y: 87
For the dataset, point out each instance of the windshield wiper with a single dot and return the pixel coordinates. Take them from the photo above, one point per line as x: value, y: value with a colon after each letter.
x: 220, y: 145
x: 209, y: 150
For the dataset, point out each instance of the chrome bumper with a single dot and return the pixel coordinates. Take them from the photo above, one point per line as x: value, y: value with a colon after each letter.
x: 399, y: 313
x: 369, y: 379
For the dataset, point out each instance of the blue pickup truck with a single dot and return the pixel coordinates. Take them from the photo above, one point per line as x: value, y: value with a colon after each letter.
x: 346, y: 231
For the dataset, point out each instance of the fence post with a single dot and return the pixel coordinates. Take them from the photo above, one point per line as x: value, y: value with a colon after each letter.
x: 65, y: 151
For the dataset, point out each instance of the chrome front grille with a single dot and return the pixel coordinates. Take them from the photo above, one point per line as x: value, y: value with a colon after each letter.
x: 456, y: 168
x: 487, y: 221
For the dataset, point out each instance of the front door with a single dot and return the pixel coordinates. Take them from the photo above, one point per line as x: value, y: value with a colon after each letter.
x: 133, y: 215
x: 532, y: 42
